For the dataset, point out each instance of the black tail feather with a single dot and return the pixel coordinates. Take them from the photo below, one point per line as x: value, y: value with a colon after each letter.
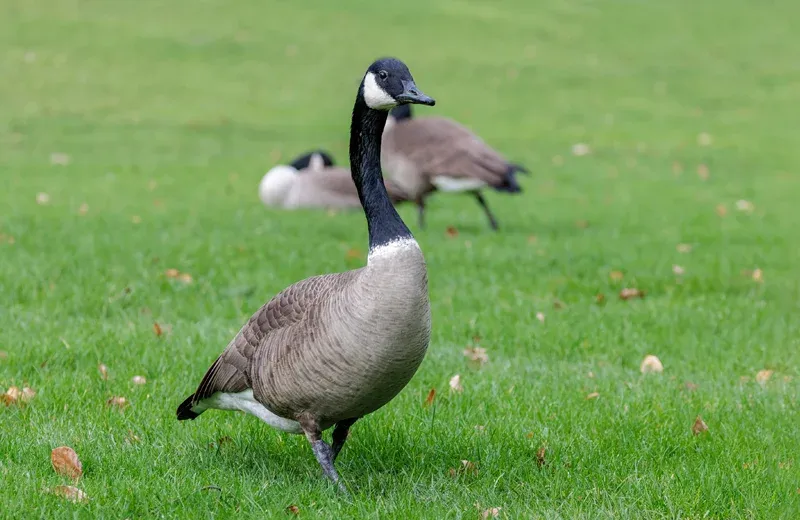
x: 185, y: 409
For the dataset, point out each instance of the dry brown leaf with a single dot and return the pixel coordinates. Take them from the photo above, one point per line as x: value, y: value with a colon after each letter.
x: 558, y: 304
x: 3, y: 354
x: 132, y: 438
x: 293, y: 509
x: 704, y: 139
x: 763, y: 376
x: 581, y: 224
x: 540, y: 316
x: 580, y: 149
x: 629, y: 293
x: 172, y: 273
x: 455, y: 384
x: 616, y: 275
x: 758, y: 275
x: 690, y: 386
x: 431, y: 397
x: 532, y: 239
x: 118, y: 401
x: 593, y: 395
x: 103, y: 371
x: 703, y: 172
x: 139, y: 380
x: 65, y: 462
x: 480, y: 428
x: 27, y: 394
x: 353, y: 254
x: 492, y: 512
x: 684, y: 248
x: 721, y: 210
x: 157, y: 328
x: 11, y: 396
x: 699, y: 426
x: 745, y: 206
x: 42, y: 198
x: 540, y: 453
x: 466, y: 468
x: 83, y: 209
x: 477, y: 355
x: 678, y: 270
x: 60, y: 159
x: 136, y: 219
x: 451, y: 231
x: 600, y: 298
x: 651, y: 364
x: 185, y: 278
x: 70, y: 493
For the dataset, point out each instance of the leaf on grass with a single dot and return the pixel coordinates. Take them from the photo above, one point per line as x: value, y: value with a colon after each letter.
x: 172, y: 273
x: 466, y: 468
x: 132, y: 438
x: 651, y: 364
x: 185, y: 278
x: 27, y: 394
x: 83, y: 209
x: 600, y: 298
x: 431, y: 397
x: 758, y: 276
x: 65, y: 462
x: 42, y: 198
x: 3, y: 354
x: 690, y: 386
x: 157, y: 328
x: 293, y: 509
x: 593, y: 395
x: 103, y: 371
x: 136, y: 219
x: 532, y: 239
x: 455, y: 384
x: 353, y: 254
x: 11, y: 396
x: 704, y: 139
x: 558, y: 304
x: 616, y: 275
x: 476, y: 355
x: 745, y: 206
x: 629, y: 293
x: 678, y: 270
x: 684, y: 248
x: 8, y: 239
x: 451, y: 231
x: 139, y: 380
x: 703, y: 172
x: 492, y: 512
x: 677, y: 168
x: 721, y: 210
x: 581, y: 223
x: 540, y: 453
x: 70, y: 493
x: 580, y: 149
x: 117, y: 401
x: 540, y: 316
x: 59, y: 159
x: 699, y: 426
x: 763, y: 376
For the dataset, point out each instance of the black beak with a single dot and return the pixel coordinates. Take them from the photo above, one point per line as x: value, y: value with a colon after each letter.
x: 411, y: 94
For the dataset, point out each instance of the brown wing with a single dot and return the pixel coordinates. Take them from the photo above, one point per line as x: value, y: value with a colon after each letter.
x: 230, y: 373
x: 440, y: 146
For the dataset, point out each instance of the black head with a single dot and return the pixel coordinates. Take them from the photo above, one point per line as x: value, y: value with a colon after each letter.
x: 320, y: 158
x: 388, y: 83
x: 401, y: 112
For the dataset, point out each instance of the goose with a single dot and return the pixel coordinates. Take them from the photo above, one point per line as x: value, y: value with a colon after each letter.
x: 332, y: 348
x: 438, y: 154
x: 312, y: 180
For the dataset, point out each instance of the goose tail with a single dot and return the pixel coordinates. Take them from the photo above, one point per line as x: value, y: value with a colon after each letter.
x: 185, y: 409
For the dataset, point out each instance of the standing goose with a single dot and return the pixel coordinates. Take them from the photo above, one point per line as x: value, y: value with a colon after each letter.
x: 313, y: 181
x: 436, y: 153
x: 333, y: 348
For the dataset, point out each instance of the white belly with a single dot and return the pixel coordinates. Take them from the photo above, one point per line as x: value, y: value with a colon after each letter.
x: 245, y: 402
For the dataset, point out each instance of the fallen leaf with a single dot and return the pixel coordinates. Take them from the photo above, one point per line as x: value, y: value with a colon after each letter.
x: 65, y: 462
x: 600, y: 298
x: 3, y: 354
x: 466, y: 468
x: 480, y: 428
x: 185, y: 278
x: 136, y: 219
x: 678, y: 270
x: 580, y: 149
x: 139, y: 380
x: 455, y: 384
x: 758, y: 276
x: 60, y: 159
x: 745, y: 206
x: 616, y: 275
x: 629, y: 293
x: 451, y: 231
x: 172, y: 273
x: 558, y: 304
x: 540, y: 460
x: 763, y: 376
x: 42, y: 198
x: 152, y: 184
x: 721, y: 210
x: 593, y: 395
x: 132, y: 438
x: 83, y: 209
x: 70, y: 493
x: 684, y: 248
x: 11, y: 396
x: 690, y: 386
x: 103, y: 371
x: 431, y: 397
x: 703, y: 172
x: 477, y: 355
x: 492, y: 512
x: 699, y: 426
x: 677, y: 168
x: 651, y: 364
x: 704, y: 139
x: 293, y: 509
x: 119, y: 402
x: 540, y: 316
x: 27, y: 394
x: 157, y: 328
x: 582, y: 224
x: 532, y: 239
x: 353, y: 254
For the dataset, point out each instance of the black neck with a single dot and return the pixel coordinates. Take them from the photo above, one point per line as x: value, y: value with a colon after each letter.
x: 366, y: 129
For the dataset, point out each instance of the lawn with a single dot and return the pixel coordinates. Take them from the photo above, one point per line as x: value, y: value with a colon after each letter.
x: 146, y: 126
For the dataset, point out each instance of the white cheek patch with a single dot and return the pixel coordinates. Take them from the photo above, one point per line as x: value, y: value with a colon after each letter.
x: 375, y: 96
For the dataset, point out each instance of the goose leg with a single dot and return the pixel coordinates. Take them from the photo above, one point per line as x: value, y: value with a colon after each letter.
x: 322, y: 451
x: 482, y: 202
x: 340, y: 435
x: 421, y: 212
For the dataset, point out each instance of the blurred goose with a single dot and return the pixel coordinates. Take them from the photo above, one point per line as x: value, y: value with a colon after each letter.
x: 435, y: 153
x: 313, y: 181
x: 333, y: 348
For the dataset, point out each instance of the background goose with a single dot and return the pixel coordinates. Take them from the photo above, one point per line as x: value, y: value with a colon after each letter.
x: 313, y: 181
x: 436, y: 153
x: 332, y: 348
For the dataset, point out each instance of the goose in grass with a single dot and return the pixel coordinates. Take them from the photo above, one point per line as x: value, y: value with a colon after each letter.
x: 437, y: 154
x: 312, y: 180
x: 333, y: 348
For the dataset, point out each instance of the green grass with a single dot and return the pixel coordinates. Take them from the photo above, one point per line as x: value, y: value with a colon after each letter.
x: 171, y: 111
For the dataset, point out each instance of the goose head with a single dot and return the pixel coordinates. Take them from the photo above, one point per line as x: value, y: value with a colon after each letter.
x: 316, y: 160
x: 275, y: 184
x: 388, y: 84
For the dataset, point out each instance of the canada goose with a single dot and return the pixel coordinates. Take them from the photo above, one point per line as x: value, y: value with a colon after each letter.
x: 312, y: 180
x: 436, y: 153
x: 333, y: 348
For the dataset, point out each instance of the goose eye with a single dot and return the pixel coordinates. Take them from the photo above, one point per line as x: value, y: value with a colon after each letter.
x: 383, y: 74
